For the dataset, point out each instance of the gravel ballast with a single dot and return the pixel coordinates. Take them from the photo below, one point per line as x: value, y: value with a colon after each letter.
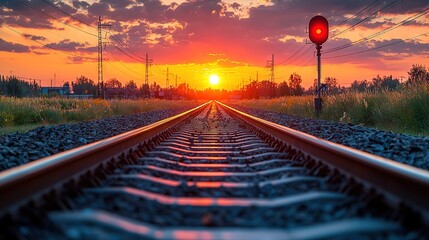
x: 407, y: 149
x: 20, y: 148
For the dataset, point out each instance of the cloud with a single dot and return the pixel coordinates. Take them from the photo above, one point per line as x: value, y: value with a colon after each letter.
x: 13, y: 47
x: 75, y: 60
x: 70, y: 46
x: 375, y: 54
x: 192, y: 30
x: 80, y: 60
x: 228, y: 63
x: 118, y: 4
x: 23, y: 13
x: 217, y: 54
x: 99, y: 9
x: 80, y: 4
x: 40, y: 53
x: 34, y: 37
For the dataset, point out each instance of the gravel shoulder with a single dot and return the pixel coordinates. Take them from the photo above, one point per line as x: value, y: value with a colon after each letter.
x: 20, y: 148
x: 407, y: 149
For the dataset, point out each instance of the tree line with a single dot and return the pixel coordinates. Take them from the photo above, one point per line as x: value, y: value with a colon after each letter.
x: 417, y: 75
x: 13, y: 86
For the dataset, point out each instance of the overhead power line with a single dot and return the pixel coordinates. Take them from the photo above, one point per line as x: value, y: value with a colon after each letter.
x: 372, y: 5
x: 379, y: 47
x: 123, y: 72
x: 405, y: 21
x: 117, y: 60
x: 132, y: 54
x: 122, y: 51
x: 45, y: 45
x: 369, y: 7
x: 42, y: 12
x: 117, y: 39
x: 388, y: 6
x: 291, y: 56
x: 67, y: 14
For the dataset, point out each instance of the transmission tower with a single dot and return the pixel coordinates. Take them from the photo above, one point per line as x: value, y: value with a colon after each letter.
x: 100, y: 87
x: 146, y: 77
x: 270, y: 65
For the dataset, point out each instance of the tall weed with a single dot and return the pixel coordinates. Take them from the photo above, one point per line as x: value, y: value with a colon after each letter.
x: 404, y: 110
x: 22, y: 111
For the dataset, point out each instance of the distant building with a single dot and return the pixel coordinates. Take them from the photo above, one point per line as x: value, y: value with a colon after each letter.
x: 59, y: 91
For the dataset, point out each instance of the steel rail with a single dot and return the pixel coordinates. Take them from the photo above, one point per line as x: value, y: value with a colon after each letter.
x: 397, y: 181
x: 19, y: 184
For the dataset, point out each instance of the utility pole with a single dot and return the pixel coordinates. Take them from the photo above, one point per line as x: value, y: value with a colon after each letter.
x: 146, y: 77
x: 167, y: 84
x: 257, y: 76
x: 100, y: 86
x: 176, y: 95
x: 186, y: 89
x: 270, y: 65
x: 167, y: 81
x: 35, y: 88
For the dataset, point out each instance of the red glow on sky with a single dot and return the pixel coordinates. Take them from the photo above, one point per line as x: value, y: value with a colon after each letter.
x: 198, y: 39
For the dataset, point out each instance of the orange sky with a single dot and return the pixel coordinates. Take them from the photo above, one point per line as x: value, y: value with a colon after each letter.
x: 196, y: 39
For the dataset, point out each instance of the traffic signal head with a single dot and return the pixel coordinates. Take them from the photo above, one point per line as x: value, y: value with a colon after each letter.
x: 318, y: 30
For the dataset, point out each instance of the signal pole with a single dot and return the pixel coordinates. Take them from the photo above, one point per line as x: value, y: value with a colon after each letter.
x: 146, y: 77
x: 318, y: 102
x: 318, y: 33
x: 100, y: 86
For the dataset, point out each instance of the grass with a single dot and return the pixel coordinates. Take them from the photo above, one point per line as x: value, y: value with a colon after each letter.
x: 22, y: 114
x: 403, y: 111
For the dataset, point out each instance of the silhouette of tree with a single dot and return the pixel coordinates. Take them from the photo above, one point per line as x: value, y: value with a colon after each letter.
x: 331, y: 84
x: 295, y: 81
x: 418, y: 74
x: 12, y: 86
x: 389, y: 83
x: 376, y: 82
x: 131, y: 89
x: 284, y: 89
x: 113, y: 83
x: 84, y: 86
x: 360, y: 86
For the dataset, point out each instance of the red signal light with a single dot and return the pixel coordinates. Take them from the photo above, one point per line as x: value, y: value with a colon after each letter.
x: 318, y: 30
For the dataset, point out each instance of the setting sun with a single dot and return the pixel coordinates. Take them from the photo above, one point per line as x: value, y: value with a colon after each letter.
x: 214, y: 79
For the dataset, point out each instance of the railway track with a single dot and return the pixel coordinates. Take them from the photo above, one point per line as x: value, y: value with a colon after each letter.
x: 214, y: 173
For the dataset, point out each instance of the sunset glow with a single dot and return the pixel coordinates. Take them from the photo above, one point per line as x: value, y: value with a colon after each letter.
x: 195, y: 38
x: 214, y: 79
